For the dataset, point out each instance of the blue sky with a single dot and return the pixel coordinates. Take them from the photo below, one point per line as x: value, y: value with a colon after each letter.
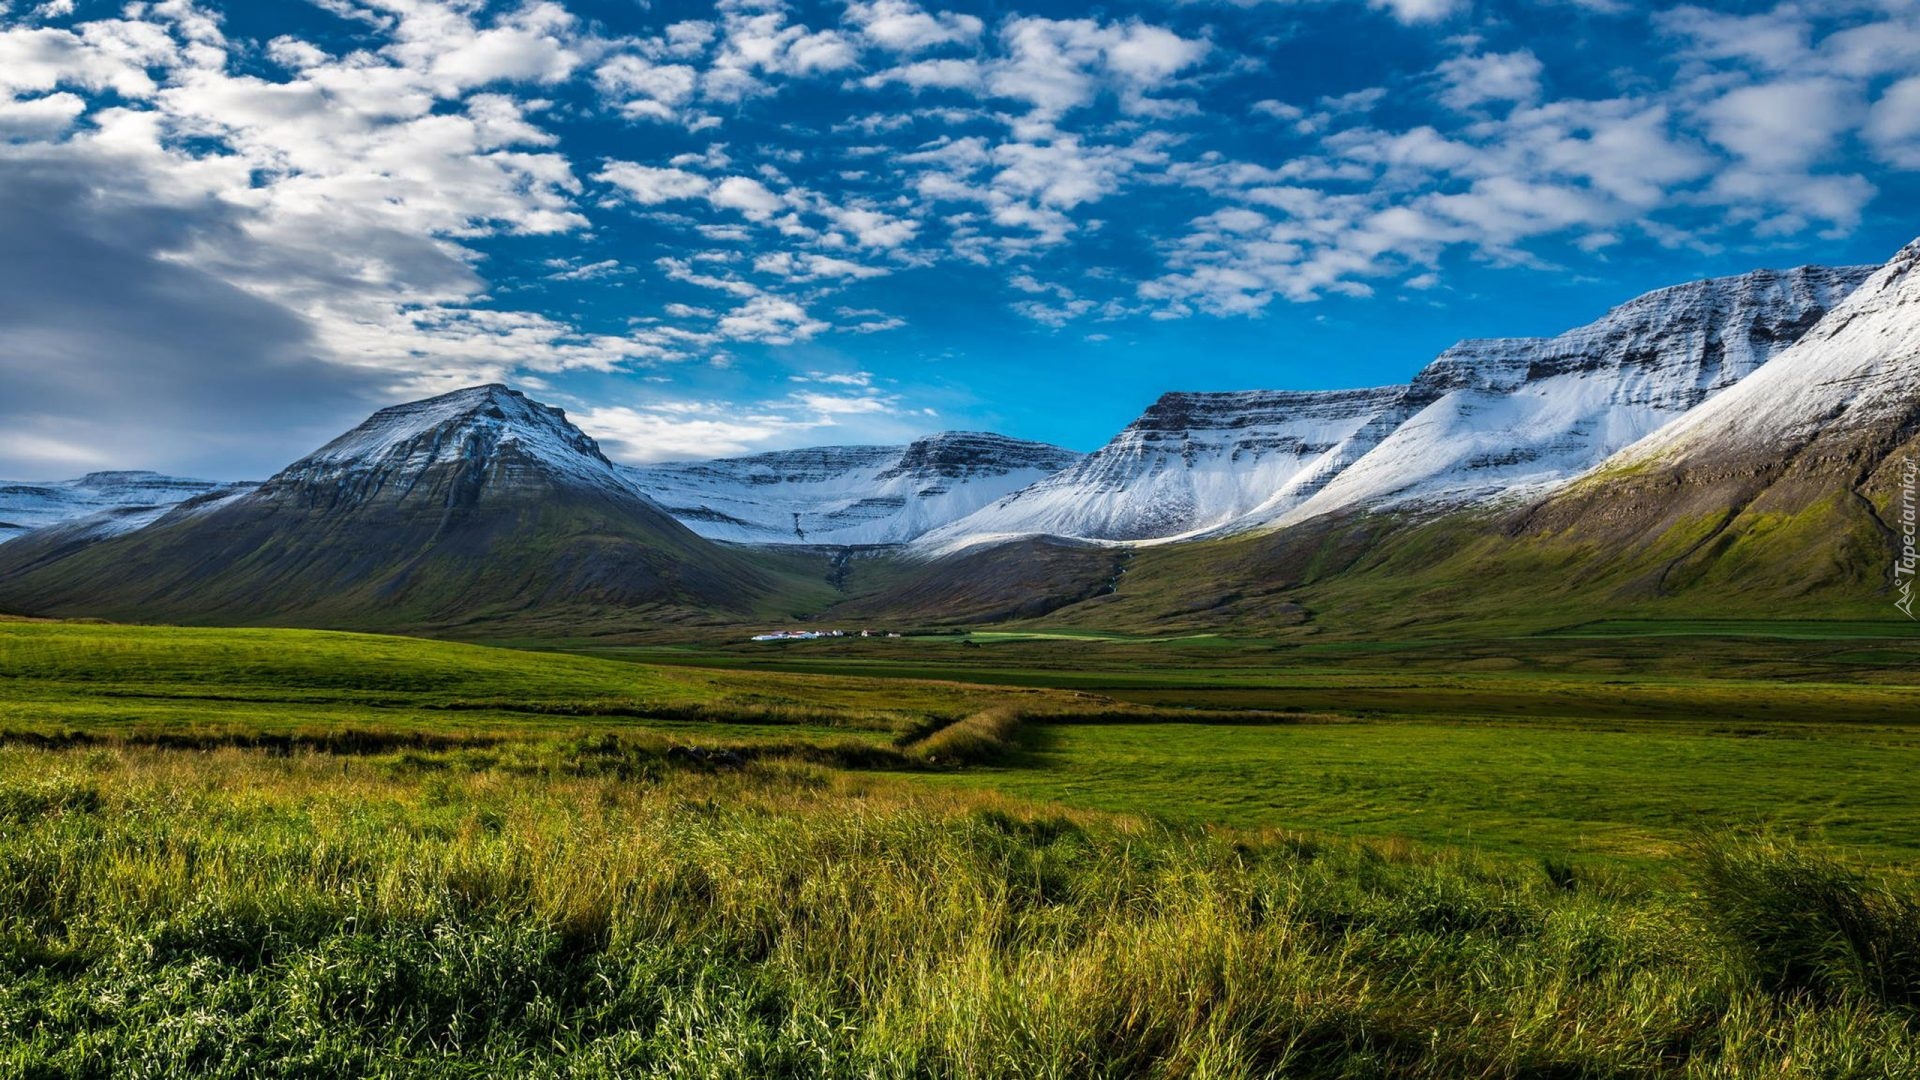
x: 229, y: 231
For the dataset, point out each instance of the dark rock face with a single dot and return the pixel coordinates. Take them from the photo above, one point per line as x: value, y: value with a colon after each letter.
x: 1672, y: 347
x: 965, y: 454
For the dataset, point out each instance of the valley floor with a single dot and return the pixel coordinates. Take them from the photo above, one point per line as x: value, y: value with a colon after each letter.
x: 259, y: 852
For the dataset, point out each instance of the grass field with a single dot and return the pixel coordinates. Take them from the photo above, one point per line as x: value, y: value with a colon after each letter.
x: 1573, y: 790
x: 148, y: 681
x: 250, y: 853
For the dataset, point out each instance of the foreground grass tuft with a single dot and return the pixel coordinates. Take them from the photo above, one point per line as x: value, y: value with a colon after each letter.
x: 459, y: 913
x: 982, y: 737
x: 1808, y: 925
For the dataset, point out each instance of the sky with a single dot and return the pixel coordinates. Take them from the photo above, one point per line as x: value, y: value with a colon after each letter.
x: 230, y: 231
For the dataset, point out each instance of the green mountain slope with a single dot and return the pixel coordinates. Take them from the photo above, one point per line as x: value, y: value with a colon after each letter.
x: 472, y: 508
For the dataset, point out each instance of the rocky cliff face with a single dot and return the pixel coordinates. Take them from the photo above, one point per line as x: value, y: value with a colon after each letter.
x: 1857, y: 369
x: 846, y: 495
x: 1191, y: 461
x: 1509, y: 418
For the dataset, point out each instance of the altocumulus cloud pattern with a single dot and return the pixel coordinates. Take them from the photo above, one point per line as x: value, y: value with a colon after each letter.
x: 715, y: 228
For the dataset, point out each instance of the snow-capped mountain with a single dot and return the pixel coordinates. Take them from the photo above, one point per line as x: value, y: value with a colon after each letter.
x: 475, y: 505
x: 122, y: 500
x: 1487, y: 419
x: 846, y: 495
x: 1190, y: 462
x: 1858, y: 368
x: 1795, y: 484
x: 1517, y: 416
x: 449, y: 448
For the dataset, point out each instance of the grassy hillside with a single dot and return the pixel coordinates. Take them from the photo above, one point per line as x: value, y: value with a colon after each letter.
x: 538, y: 563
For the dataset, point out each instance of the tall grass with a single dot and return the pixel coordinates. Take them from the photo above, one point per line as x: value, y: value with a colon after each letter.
x: 987, y: 735
x: 232, y: 913
x: 1807, y: 924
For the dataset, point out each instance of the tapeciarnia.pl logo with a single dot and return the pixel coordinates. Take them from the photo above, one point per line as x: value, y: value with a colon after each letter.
x: 1903, y: 567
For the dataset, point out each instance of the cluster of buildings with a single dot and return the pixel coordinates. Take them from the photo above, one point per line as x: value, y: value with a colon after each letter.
x: 814, y: 635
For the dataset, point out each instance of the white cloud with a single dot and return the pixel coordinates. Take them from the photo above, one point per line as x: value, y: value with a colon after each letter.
x: 1419, y: 11
x: 1785, y: 125
x: 1056, y: 65
x: 843, y: 404
x: 835, y: 378
x: 810, y: 267
x: 683, y: 270
x: 904, y: 27
x: 713, y: 429
x: 1894, y: 127
x: 1054, y: 315
x: 773, y: 320
x: 643, y: 89
x: 757, y: 45
x: 872, y: 228
x: 528, y: 44
x: 594, y: 271
x: 1493, y: 77
x: 107, y: 55
x: 931, y: 74
x: 650, y: 186
x: 41, y: 118
x: 1778, y: 40
x: 1279, y: 110
x: 670, y: 430
x: 747, y: 195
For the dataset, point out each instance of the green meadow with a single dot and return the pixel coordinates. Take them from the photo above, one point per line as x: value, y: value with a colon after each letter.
x: 295, y: 853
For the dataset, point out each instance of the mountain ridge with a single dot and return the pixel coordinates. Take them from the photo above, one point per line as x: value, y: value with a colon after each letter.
x: 126, y: 494
x: 847, y: 495
x: 1569, y: 400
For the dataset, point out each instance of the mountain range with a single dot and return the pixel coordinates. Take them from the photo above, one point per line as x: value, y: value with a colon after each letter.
x: 848, y: 495
x: 1743, y: 434
x: 1486, y: 419
x: 115, y: 500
